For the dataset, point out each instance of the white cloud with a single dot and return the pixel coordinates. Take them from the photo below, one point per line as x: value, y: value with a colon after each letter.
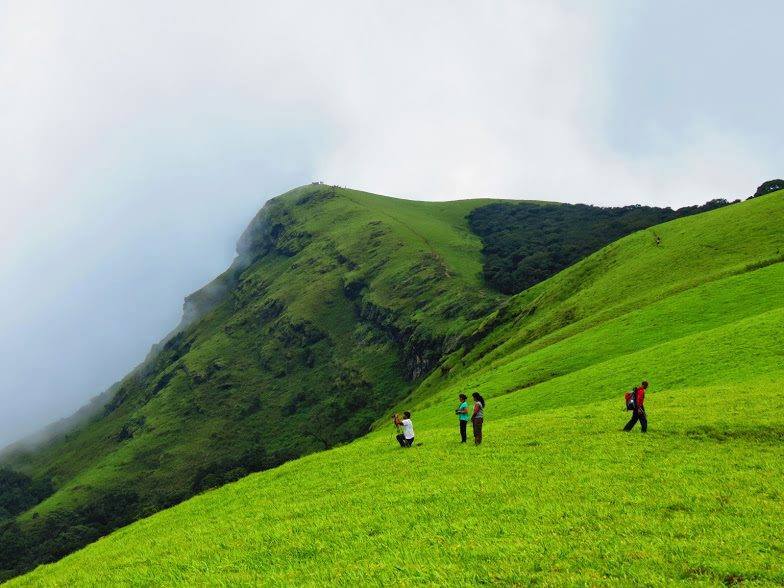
x: 136, y: 139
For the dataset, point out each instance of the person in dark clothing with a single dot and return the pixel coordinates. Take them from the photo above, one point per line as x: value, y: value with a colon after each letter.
x: 462, y: 414
x: 478, y: 417
x: 638, y: 412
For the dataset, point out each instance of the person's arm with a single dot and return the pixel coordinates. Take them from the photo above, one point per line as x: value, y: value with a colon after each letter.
x: 476, y: 409
x: 462, y: 409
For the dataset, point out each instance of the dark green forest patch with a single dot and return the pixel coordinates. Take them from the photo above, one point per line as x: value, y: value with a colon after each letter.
x: 526, y: 242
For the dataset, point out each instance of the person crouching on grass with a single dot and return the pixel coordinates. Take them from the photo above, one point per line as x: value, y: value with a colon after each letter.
x: 406, y: 438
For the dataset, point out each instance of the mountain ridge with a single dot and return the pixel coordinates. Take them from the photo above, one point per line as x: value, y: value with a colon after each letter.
x: 339, y: 305
x: 698, y: 312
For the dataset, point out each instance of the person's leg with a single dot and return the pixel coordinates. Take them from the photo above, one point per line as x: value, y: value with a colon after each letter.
x: 473, y: 426
x: 479, y: 423
x: 643, y: 420
x: 630, y: 425
x: 463, y: 433
x: 409, y: 442
x: 401, y: 440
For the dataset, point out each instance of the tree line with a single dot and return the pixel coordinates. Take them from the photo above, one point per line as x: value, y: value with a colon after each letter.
x: 526, y: 243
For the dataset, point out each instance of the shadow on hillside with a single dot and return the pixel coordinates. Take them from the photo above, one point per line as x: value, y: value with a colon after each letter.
x: 722, y: 433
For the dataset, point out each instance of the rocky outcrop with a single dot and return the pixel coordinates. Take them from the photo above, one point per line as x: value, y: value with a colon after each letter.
x: 420, y: 353
x: 271, y: 230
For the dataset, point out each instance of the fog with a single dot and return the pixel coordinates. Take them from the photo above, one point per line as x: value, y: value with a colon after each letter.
x: 137, y: 139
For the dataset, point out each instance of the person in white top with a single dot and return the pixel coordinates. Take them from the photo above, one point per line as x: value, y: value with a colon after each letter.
x: 406, y: 438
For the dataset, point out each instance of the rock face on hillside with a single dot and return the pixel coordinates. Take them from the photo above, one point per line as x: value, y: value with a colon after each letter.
x: 260, y: 238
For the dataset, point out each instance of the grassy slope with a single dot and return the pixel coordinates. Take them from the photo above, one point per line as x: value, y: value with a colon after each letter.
x: 556, y: 493
x: 311, y: 287
x: 288, y: 345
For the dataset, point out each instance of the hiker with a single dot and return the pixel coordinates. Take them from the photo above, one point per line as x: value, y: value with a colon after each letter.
x: 636, y: 402
x: 462, y: 416
x: 406, y: 438
x: 478, y: 417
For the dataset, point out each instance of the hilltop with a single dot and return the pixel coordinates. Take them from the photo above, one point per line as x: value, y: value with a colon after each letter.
x: 556, y: 494
x: 337, y: 304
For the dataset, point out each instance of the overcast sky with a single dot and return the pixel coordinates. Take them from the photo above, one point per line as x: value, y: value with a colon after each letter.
x: 137, y: 139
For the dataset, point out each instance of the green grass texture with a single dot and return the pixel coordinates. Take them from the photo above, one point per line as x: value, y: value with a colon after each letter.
x: 557, y: 494
x: 253, y: 372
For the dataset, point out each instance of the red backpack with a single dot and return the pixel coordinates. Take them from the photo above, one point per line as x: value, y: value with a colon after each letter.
x: 631, y: 399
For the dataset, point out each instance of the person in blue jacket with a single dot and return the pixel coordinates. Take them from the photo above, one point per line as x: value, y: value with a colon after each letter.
x: 462, y: 416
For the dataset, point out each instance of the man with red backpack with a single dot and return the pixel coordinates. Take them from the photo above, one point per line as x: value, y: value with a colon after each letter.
x: 635, y: 401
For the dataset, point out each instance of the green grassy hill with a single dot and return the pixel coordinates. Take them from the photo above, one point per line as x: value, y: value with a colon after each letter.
x: 338, y: 303
x: 556, y: 494
x: 525, y: 244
